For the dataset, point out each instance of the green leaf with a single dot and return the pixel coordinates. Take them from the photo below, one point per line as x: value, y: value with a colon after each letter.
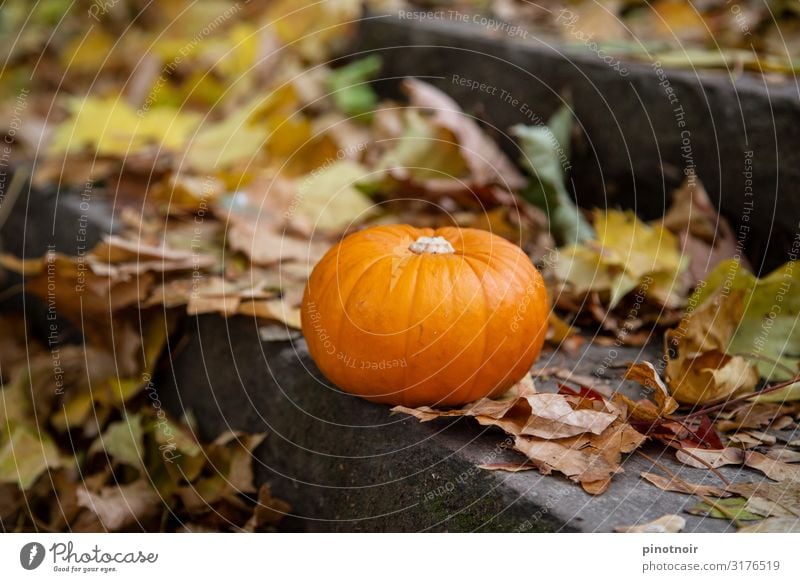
x: 25, y: 455
x: 769, y: 327
x: 731, y: 508
x: 349, y: 87
x: 124, y: 441
x: 546, y: 151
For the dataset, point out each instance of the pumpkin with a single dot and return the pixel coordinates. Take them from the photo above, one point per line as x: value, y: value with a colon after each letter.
x: 410, y: 316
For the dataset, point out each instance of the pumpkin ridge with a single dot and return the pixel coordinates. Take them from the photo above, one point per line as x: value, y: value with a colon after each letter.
x: 345, y: 317
x: 411, y: 312
x: 485, y: 327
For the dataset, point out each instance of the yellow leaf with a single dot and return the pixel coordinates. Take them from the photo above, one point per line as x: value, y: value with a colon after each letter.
x: 328, y: 198
x: 627, y: 254
x: 111, y: 127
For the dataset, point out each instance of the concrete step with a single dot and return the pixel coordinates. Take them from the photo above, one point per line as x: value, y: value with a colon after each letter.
x: 346, y: 464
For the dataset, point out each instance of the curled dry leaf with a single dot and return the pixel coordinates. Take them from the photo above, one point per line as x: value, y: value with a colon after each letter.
x: 119, y: 507
x: 486, y: 162
x: 526, y: 413
x: 699, y: 371
x: 664, y: 524
x: 582, y: 437
x: 645, y: 374
x: 773, y: 468
x: 268, y: 512
x: 704, y: 458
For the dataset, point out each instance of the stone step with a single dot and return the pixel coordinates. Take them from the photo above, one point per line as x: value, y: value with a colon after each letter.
x: 346, y: 464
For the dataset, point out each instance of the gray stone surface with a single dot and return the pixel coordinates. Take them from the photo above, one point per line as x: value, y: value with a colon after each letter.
x: 628, y: 149
x: 348, y: 465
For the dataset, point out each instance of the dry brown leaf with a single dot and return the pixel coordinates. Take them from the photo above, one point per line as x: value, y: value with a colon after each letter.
x: 710, y: 377
x: 706, y: 237
x: 681, y: 486
x: 269, y: 511
x: 713, y: 458
x: 645, y: 374
x: 486, y: 162
x: 579, y: 465
x: 119, y: 507
x: 772, y: 468
x: 774, y: 525
x: 508, y: 467
x: 264, y: 246
x: 664, y: 524
x: 770, y: 499
x: 700, y: 372
x: 784, y: 455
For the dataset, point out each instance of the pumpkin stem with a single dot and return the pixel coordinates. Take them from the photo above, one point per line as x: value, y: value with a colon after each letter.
x: 434, y: 245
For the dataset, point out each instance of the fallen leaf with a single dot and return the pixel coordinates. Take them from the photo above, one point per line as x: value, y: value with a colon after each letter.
x: 784, y: 455
x: 774, y: 525
x: 761, y: 329
x: 545, y: 150
x: 349, y: 87
x: 328, y: 199
x: 119, y: 507
x: 508, y: 467
x: 699, y: 371
x: 731, y: 508
x: 681, y: 486
x: 26, y: 453
x: 664, y: 524
x: 269, y: 511
x: 706, y: 237
x: 712, y: 458
x: 124, y: 441
x: 486, y: 162
x: 109, y: 126
x: 628, y: 254
x: 645, y: 374
x: 772, y: 468
x: 770, y: 499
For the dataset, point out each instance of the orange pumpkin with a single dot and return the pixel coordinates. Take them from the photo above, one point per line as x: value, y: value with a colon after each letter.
x: 411, y: 316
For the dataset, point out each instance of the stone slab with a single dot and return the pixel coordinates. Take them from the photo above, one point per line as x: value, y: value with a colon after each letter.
x: 349, y: 465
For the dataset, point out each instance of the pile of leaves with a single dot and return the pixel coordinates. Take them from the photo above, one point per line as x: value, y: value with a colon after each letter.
x: 235, y: 148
